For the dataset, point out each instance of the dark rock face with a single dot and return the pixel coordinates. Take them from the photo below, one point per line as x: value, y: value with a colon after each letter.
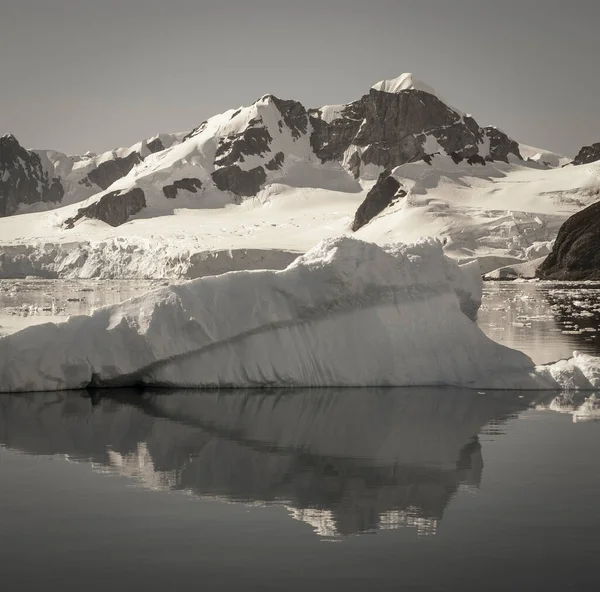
x: 380, y: 197
x: 294, y: 115
x: 576, y: 252
x: 330, y: 140
x: 109, y: 171
x: 275, y: 163
x: 391, y: 130
x: 106, y: 173
x: 155, y: 145
x: 191, y: 185
x: 501, y: 145
x: 252, y: 141
x: 114, y: 208
x: 255, y: 140
x: 238, y: 181
x: 23, y: 179
x: 588, y: 154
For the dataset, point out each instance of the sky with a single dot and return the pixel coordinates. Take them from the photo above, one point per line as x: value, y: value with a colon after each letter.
x: 79, y: 75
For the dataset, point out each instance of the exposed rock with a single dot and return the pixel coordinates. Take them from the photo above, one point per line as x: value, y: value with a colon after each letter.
x: 191, y: 185
x: 275, y: 163
x: 501, y: 145
x: 576, y: 252
x: 588, y: 154
x: 232, y: 148
x: 238, y: 181
x: 391, y: 129
x: 155, y: 145
x: 23, y: 180
x: 109, y: 171
x: 380, y: 197
x: 294, y: 115
x: 114, y: 208
x: 354, y: 164
x: 330, y: 140
x: 196, y: 131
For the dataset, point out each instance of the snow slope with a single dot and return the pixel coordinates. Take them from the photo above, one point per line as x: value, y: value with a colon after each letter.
x: 500, y: 214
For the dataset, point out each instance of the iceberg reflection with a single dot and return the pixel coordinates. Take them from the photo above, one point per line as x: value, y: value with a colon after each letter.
x: 345, y: 461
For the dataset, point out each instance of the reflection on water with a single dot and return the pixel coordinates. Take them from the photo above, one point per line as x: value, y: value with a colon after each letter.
x: 345, y: 461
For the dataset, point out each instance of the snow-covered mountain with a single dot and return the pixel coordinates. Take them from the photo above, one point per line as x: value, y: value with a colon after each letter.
x: 241, y: 151
x: 252, y: 187
x: 42, y: 179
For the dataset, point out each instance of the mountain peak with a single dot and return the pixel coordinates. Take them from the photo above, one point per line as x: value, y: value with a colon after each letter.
x: 405, y: 81
x: 10, y: 138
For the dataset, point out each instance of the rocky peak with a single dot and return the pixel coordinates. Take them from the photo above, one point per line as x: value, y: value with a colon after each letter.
x: 23, y: 179
x: 588, y: 154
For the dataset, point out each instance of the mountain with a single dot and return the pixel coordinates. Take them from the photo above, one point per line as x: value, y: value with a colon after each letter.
x: 240, y: 152
x: 23, y: 178
x: 42, y: 179
x: 255, y: 186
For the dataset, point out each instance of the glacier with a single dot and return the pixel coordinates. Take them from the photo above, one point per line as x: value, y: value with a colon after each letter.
x: 346, y: 313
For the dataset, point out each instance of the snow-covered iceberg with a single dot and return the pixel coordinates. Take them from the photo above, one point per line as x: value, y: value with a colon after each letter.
x: 347, y: 313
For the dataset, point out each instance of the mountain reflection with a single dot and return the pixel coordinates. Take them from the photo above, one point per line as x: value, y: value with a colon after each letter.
x: 345, y: 461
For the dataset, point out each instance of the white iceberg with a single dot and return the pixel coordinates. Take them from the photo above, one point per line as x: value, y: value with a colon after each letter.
x: 347, y: 313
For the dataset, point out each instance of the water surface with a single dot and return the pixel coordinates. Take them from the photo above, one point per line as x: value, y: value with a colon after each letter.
x: 328, y: 489
x: 344, y: 489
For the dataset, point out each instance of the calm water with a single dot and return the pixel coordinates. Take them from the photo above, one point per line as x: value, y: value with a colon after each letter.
x: 335, y: 489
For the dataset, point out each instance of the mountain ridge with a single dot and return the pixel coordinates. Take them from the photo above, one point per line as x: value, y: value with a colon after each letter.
x: 240, y: 151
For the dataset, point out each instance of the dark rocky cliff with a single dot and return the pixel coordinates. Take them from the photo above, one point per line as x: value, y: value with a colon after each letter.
x: 576, y: 252
x: 588, y: 154
x: 23, y: 181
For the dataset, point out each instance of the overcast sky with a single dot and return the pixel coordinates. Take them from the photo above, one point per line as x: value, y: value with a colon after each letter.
x: 78, y: 75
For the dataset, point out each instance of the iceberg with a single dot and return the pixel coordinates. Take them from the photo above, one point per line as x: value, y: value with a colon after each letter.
x: 346, y: 313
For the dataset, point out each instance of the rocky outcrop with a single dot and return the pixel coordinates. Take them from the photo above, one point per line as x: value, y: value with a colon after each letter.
x: 576, y: 252
x: 380, y: 197
x: 501, y: 146
x: 113, y: 169
x: 23, y: 180
x: 588, y: 154
x: 330, y: 139
x: 391, y: 129
x: 238, y: 181
x: 253, y: 141
x: 114, y: 208
x: 191, y: 185
x: 276, y: 162
x: 294, y: 116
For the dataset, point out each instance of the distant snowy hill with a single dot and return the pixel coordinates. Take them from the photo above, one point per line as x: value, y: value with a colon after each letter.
x: 253, y: 186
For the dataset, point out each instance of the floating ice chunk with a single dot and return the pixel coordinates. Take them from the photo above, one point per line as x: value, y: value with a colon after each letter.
x: 347, y: 313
